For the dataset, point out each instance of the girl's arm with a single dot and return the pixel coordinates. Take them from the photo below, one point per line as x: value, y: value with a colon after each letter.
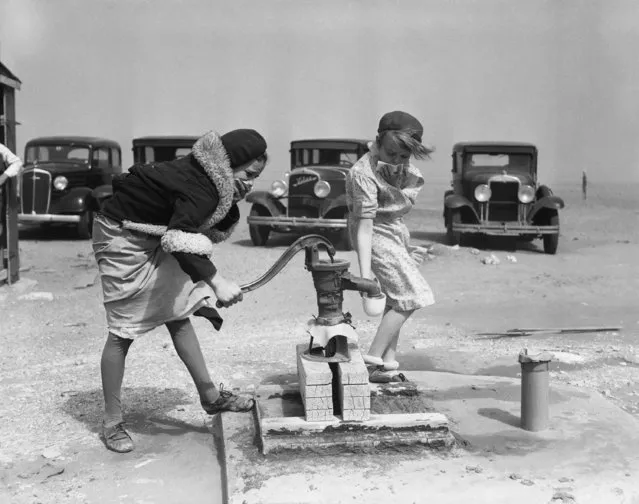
x: 364, y: 242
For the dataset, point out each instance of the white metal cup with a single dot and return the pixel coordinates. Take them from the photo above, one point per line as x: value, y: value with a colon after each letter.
x: 374, y: 306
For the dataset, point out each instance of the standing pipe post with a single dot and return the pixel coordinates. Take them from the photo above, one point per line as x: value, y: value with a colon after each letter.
x: 535, y: 390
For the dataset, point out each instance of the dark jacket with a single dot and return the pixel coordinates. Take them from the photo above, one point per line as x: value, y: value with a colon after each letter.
x: 187, y: 202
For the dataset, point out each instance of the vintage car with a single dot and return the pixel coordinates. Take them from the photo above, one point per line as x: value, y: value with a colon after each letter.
x: 155, y: 149
x: 60, y: 175
x: 311, y: 197
x: 495, y: 192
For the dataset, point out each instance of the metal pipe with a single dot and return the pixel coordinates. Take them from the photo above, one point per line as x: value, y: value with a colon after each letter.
x: 535, y: 390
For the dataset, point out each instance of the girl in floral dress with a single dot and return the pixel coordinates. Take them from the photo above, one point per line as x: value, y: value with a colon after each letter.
x: 381, y: 189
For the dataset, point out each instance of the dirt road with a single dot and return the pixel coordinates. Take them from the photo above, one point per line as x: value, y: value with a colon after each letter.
x: 52, y: 331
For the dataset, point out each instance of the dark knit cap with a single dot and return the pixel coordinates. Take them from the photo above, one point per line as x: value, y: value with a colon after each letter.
x: 398, y: 120
x: 243, y: 145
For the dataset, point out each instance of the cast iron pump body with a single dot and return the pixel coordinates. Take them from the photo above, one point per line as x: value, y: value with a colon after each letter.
x: 331, y: 329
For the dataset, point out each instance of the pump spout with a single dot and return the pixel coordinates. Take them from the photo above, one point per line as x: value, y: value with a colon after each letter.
x: 369, y: 287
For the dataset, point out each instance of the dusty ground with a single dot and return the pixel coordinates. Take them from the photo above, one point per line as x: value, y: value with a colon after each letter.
x: 51, y: 342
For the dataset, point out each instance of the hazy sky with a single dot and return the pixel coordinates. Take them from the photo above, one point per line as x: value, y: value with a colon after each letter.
x: 563, y: 74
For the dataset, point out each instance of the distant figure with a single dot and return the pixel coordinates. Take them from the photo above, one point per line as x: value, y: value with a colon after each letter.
x: 584, y: 185
x: 11, y: 162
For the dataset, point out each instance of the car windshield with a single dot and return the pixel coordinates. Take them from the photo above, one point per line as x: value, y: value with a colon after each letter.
x: 326, y: 157
x: 57, y: 154
x: 164, y: 153
x: 521, y: 163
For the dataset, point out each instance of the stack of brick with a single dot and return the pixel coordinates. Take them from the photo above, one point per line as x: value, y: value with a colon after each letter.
x: 354, y: 394
x: 352, y: 388
x: 316, y: 387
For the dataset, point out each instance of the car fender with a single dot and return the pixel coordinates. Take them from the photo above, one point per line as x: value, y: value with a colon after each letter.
x: 543, y: 191
x: 76, y: 201
x: 335, y: 207
x: 99, y: 195
x: 267, y: 200
x: 459, y: 202
x: 545, y: 203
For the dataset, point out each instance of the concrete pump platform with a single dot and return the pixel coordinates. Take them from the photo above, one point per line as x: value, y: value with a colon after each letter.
x: 589, y: 453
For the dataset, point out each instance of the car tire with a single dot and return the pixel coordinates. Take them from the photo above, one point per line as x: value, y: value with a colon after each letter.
x: 85, y: 226
x: 259, y: 234
x: 453, y: 238
x: 551, y: 241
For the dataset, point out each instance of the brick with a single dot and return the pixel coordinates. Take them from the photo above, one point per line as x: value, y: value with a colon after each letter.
x: 312, y: 373
x: 351, y: 402
x: 354, y: 390
x: 317, y: 391
x: 356, y: 415
x: 319, y: 415
x: 355, y: 371
x: 318, y: 403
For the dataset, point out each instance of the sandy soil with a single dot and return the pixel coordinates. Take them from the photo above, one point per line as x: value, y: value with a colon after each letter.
x: 51, y: 342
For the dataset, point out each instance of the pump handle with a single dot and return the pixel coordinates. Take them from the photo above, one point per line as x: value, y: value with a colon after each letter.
x: 310, y: 243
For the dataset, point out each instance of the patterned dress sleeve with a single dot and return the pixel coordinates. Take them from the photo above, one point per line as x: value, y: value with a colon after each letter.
x: 363, y: 195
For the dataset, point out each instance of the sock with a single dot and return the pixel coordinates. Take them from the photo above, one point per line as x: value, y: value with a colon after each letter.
x: 112, y: 368
x: 188, y: 349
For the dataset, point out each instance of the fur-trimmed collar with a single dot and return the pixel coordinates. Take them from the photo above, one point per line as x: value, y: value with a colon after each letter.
x: 209, y: 152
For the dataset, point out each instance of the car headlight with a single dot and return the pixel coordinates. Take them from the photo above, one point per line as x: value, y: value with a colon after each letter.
x: 279, y: 188
x: 60, y: 183
x: 321, y: 189
x: 526, y: 194
x: 482, y: 193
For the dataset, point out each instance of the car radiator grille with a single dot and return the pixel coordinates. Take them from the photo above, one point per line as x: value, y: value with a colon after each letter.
x: 35, y: 191
x: 504, y: 192
x: 504, y: 202
x: 302, y: 202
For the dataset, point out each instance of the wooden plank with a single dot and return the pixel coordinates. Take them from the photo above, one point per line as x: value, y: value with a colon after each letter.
x: 429, y: 421
x: 396, y: 431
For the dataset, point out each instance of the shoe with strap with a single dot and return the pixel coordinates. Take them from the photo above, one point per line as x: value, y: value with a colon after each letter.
x: 116, y: 438
x: 228, y: 401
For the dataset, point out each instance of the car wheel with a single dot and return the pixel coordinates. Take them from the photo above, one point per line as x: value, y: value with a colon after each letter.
x: 453, y: 237
x: 85, y: 226
x: 551, y: 241
x: 259, y: 234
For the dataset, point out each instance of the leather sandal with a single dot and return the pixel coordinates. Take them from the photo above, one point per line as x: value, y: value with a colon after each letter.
x: 228, y: 401
x: 381, y: 376
x: 117, y: 439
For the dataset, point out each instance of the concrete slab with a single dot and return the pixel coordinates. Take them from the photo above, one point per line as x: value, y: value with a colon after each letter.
x: 589, y: 454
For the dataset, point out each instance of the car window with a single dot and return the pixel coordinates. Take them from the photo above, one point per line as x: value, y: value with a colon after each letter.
x: 101, y: 157
x: 182, y: 151
x: 115, y: 157
x: 323, y: 157
x: 513, y: 162
x: 56, y: 154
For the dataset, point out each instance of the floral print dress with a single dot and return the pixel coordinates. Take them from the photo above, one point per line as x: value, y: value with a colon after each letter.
x: 386, y: 200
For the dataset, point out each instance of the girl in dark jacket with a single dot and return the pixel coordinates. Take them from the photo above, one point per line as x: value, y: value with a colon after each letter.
x: 153, y: 242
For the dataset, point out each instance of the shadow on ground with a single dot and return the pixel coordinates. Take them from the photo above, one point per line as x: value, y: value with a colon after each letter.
x: 149, y: 410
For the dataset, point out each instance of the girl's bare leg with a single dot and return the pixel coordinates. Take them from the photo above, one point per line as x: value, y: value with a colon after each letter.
x: 384, y: 345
